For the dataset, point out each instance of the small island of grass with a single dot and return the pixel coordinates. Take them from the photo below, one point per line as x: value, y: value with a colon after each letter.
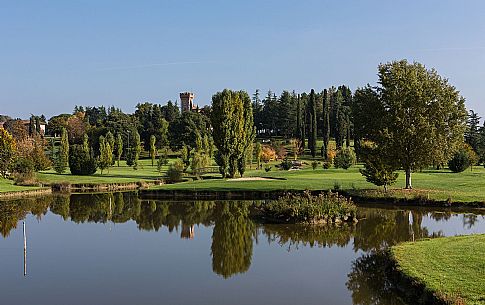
x: 309, y: 209
x: 451, y: 268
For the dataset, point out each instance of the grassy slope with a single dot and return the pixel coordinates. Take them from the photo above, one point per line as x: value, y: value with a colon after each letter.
x: 451, y: 267
x: 115, y: 175
x: 8, y: 186
x: 438, y: 185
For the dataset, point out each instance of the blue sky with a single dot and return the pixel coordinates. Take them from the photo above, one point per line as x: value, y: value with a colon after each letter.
x: 56, y: 54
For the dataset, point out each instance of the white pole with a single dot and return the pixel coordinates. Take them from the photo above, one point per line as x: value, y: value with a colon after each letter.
x: 25, y: 249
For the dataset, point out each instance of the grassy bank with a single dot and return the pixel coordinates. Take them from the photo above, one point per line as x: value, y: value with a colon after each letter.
x: 430, y: 184
x: 122, y: 174
x: 453, y: 268
x: 8, y: 186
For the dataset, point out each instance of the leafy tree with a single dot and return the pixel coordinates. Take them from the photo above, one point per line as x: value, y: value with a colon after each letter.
x: 62, y: 160
x: 422, y: 117
x: 105, y: 154
x: 175, y: 171
x: 17, y: 129
x: 472, y: 133
x: 366, y: 126
x: 151, y: 121
x: 459, y: 162
x: 186, y: 128
x: 345, y: 158
x: 7, y: 151
x: 170, y: 112
x: 81, y: 162
x: 119, y: 148
x: 110, y: 139
x: 375, y: 170
x: 233, y: 129
x: 56, y: 123
x: 136, y: 149
x: 153, y: 149
x: 199, y: 161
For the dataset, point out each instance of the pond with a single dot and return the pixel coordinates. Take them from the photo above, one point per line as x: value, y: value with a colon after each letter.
x: 116, y: 248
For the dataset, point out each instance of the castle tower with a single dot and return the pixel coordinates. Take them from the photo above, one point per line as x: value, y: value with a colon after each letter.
x: 187, y: 101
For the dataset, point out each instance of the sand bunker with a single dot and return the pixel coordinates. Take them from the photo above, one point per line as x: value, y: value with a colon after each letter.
x: 251, y: 179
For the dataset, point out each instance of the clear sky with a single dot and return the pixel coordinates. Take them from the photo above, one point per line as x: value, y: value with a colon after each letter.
x: 56, y: 54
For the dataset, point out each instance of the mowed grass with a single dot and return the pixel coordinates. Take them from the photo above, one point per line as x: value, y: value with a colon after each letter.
x: 8, y: 186
x: 122, y: 174
x: 452, y: 267
x: 468, y: 186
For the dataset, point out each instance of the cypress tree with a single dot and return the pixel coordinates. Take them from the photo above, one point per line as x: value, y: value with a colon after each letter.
x: 312, y: 142
x: 62, y: 160
x: 326, y: 123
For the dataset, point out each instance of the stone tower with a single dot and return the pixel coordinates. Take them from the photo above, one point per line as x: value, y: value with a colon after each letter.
x: 187, y: 101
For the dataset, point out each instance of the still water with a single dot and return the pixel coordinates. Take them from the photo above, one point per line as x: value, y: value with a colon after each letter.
x: 119, y: 249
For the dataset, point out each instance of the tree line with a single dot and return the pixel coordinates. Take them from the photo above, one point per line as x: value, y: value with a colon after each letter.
x: 412, y: 119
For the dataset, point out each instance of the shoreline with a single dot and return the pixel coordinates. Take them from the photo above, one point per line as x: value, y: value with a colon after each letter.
x: 185, y: 194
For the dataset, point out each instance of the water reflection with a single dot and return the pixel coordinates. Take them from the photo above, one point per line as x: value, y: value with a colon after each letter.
x: 369, y: 283
x: 235, y: 233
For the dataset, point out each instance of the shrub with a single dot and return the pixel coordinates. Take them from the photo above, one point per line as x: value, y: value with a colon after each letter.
x: 23, y: 165
x: 267, y: 168
x: 81, y: 162
x: 314, y: 165
x: 345, y: 158
x: 336, y: 186
x: 175, y: 171
x: 307, y: 208
x: 268, y: 154
x: 286, y: 164
x: 326, y: 165
x: 198, y: 162
x: 459, y: 162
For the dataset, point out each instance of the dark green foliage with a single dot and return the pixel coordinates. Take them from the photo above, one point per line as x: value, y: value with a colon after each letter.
x: 185, y: 129
x: 81, y: 162
x: 267, y: 168
x: 286, y: 164
x: 376, y: 170
x: 345, y: 158
x: 151, y: 121
x: 233, y: 130
x: 326, y: 123
x: 23, y: 166
x: 62, y: 159
x: 306, y: 208
x: 314, y: 165
x: 459, y: 162
x: 326, y: 164
x: 175, y: 171
x: 421, y: 117
x: 312, y: 111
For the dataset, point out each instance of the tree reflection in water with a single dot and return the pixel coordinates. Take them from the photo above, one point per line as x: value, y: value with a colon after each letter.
x: 369, y: 283
x: 232, y: 238
x: 234, y: 231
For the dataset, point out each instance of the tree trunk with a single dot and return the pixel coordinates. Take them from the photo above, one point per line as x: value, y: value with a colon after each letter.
x: 408, y: 179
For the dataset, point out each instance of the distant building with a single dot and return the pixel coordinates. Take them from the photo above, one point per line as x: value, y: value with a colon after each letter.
x: 187, y: 101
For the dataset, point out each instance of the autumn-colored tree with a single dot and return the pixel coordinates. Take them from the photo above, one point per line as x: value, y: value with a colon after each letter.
x: 7, y: 151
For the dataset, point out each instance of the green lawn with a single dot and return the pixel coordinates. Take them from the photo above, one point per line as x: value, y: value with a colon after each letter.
x: 115, y: 175
x: 8, y: 186
x: 452, y: 267
x: 438, y: 185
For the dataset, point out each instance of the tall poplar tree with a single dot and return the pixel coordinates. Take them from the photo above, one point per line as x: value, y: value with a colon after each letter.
x: 153, y: 149
x: 119, y: 148
x: 233, y: 130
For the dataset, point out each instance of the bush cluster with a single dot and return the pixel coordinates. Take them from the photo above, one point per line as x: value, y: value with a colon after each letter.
x: 81, y: 162
x: 345, y: 158
x: 307, y: 208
